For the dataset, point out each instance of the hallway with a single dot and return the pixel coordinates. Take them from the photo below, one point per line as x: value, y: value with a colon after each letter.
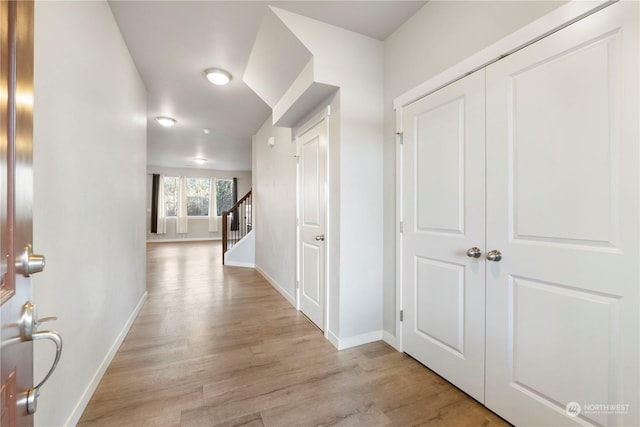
x: 218, y: 345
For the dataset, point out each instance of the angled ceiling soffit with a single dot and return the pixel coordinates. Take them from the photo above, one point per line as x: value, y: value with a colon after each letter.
x: 276, y: 60
x: 336, y: 51
x: 297, y: 62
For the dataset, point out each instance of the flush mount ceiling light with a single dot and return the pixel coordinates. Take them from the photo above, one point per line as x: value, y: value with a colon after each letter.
x: 217, y: 76
x: 200, y: 160
x: 206, y: 131
x: 166, y: 121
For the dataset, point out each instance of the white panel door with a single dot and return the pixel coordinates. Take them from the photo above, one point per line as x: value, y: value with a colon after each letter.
x: 312, y: 146
x: 444, y: 216
x: 562, y: 208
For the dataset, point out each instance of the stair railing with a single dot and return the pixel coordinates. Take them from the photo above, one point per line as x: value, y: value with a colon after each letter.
x: 237, y: 222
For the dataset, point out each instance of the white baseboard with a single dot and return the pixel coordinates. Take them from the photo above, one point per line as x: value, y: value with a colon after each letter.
x: 391, y: 339
x: 333, y: 339
x: 93, y: 384
x: 342, y: 344
x: 239, y: 264
x: 271, y: 280
x: 186, y: 239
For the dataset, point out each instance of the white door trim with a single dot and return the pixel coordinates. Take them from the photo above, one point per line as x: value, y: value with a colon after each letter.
x: 548, y: 24
x: 323, y: 114
x: 400, y: 216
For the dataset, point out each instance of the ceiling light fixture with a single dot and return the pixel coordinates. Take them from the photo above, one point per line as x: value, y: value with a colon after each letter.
x: 166, y: 121
x: 217, y: 76
x: 206, y: 131
x: 200, y: 160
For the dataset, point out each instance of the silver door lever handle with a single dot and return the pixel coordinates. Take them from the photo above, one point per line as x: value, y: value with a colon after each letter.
x: 320, y: 237
x: 30, y: 323
x: 34, y: 393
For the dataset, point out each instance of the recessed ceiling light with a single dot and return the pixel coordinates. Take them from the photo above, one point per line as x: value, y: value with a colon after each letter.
x: 206, y: 131
x: 200, y: 160
x: 166, y: 121
x: 217, y: 76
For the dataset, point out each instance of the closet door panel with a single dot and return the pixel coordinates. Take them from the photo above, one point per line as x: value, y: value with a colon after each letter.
x: 443, y: 204
x: 562, y: 208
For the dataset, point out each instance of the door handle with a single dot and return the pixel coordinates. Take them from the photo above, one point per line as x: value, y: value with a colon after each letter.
x: 34, y: 393
x: 474, y: 252
x: 320, y: 237
x: 30, y: 325
x: 29, y: 263
x: 494, y: 256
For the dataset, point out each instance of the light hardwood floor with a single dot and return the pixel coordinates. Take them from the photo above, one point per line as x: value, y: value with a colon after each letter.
x: 219, y: 346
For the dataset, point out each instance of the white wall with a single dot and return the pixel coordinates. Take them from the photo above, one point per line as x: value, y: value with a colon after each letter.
x: 243, y: 253
x: 354, y: 64
x: 274, y: 184
x: 198, y: 228
x: 439, y: 35
x: 89, y: 191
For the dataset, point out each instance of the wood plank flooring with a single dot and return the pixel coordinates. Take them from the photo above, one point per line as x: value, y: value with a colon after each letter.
x: 218, y: 346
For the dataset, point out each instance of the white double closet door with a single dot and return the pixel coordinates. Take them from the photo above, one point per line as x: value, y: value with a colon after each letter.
x: 536, y: 156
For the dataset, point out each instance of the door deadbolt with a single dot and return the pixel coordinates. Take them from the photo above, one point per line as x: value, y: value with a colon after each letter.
x: 29, y: 263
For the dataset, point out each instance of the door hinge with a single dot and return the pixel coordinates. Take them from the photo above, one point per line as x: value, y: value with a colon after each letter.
x: 297, y: 284
x: 400, y: 137
x: 401, y: 315
x: 401, y: 226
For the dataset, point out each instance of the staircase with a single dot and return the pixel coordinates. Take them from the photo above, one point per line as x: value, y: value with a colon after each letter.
x: 237, y: 222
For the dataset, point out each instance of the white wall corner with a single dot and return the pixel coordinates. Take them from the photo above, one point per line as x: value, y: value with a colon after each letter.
x: 391, y: 339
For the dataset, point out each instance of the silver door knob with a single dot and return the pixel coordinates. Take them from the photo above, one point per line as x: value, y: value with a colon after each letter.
x: 474, y: 252
x: 29, y: 263
x: 494, y: 255
x: 320, y: 237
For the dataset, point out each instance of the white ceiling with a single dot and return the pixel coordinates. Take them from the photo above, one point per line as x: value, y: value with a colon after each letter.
x: 172, y: 42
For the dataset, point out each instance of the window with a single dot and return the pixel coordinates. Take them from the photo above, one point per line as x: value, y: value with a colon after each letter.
x: 170, y: 185
x: 197, y: 196
x: 224, y: 195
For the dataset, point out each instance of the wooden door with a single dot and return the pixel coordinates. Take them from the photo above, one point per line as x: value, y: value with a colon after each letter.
x: 562, y: 208
x: 444, y: 217
x: 16, y: 105
x: 312, y: 149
